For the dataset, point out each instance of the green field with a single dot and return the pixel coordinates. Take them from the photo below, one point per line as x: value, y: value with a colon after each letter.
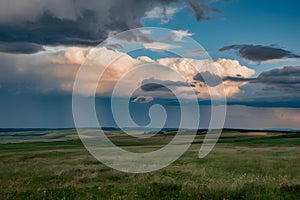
x: 241, y: 166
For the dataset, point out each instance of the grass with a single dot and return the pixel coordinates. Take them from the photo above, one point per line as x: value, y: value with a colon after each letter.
x: 256, y: 167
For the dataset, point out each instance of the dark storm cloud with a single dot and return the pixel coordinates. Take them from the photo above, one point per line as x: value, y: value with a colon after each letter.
x: 284, y: 80
x: 70, y: 22
x: 75, y: 22
x: 285, y: 76
x: 201, y: 9
x: 153, y: 87
x: 113, y: 46
x: 208, y: 78
x: 213, y: 80
x: 161, y: 85
x: 238, y: 79
x: 259, y: 52
x: 21, y: 47
x: 134, y: 36
x: 278, y: 87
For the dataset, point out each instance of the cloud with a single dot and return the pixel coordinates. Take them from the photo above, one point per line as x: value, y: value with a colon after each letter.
x: 20, y: 47
x: 153, y: 87
x: 136, y: 35
x: 162, y: 13
x: 284, y: 76
x: 53, y: 22
x: 57, y: 70
x: 259, y: 52
x: 278, y: 87
x: 238, y: 79
x: 76, y: 22
x: 161, y: 85
x: 142, y: 99
x: 178, y: 35
x: 72, y: 55
x: 282, y: 60
x: 141, y: 37
x: 196, y: 53
x: 52, y: 72
x: 213, y: 80
x: 212, y: 71
x: 56, y: 73
x: 202, y: 10
x: 288, y: 76
x: 208, y: 78
x: 160, y: 46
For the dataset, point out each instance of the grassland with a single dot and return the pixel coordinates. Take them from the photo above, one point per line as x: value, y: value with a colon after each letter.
x: 241, y: 166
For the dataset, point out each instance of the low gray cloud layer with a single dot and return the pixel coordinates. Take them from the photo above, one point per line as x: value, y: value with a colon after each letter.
x: 278, y: 87
x: 285, y: 75
x: 259, y: 52
x: 20, y: 47
x: 161, y: 85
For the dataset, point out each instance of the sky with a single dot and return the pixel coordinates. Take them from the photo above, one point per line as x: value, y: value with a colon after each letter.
x: 248, y: 54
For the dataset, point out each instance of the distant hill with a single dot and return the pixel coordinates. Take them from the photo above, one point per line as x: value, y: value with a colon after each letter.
x: 163, y: 129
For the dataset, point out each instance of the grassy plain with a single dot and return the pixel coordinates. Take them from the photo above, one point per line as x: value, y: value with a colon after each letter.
x: 241, y: 166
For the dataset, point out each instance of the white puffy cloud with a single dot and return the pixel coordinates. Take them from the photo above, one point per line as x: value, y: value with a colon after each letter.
x: 56, y: 71
x: 178, y: 35
x: 162, y: 13
x: 187, y: 68
x: 73, y: 55
x: 220, y: 67
x: 160, y: 46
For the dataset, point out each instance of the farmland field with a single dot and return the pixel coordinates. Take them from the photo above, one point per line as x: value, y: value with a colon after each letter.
x: 243, y: 165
